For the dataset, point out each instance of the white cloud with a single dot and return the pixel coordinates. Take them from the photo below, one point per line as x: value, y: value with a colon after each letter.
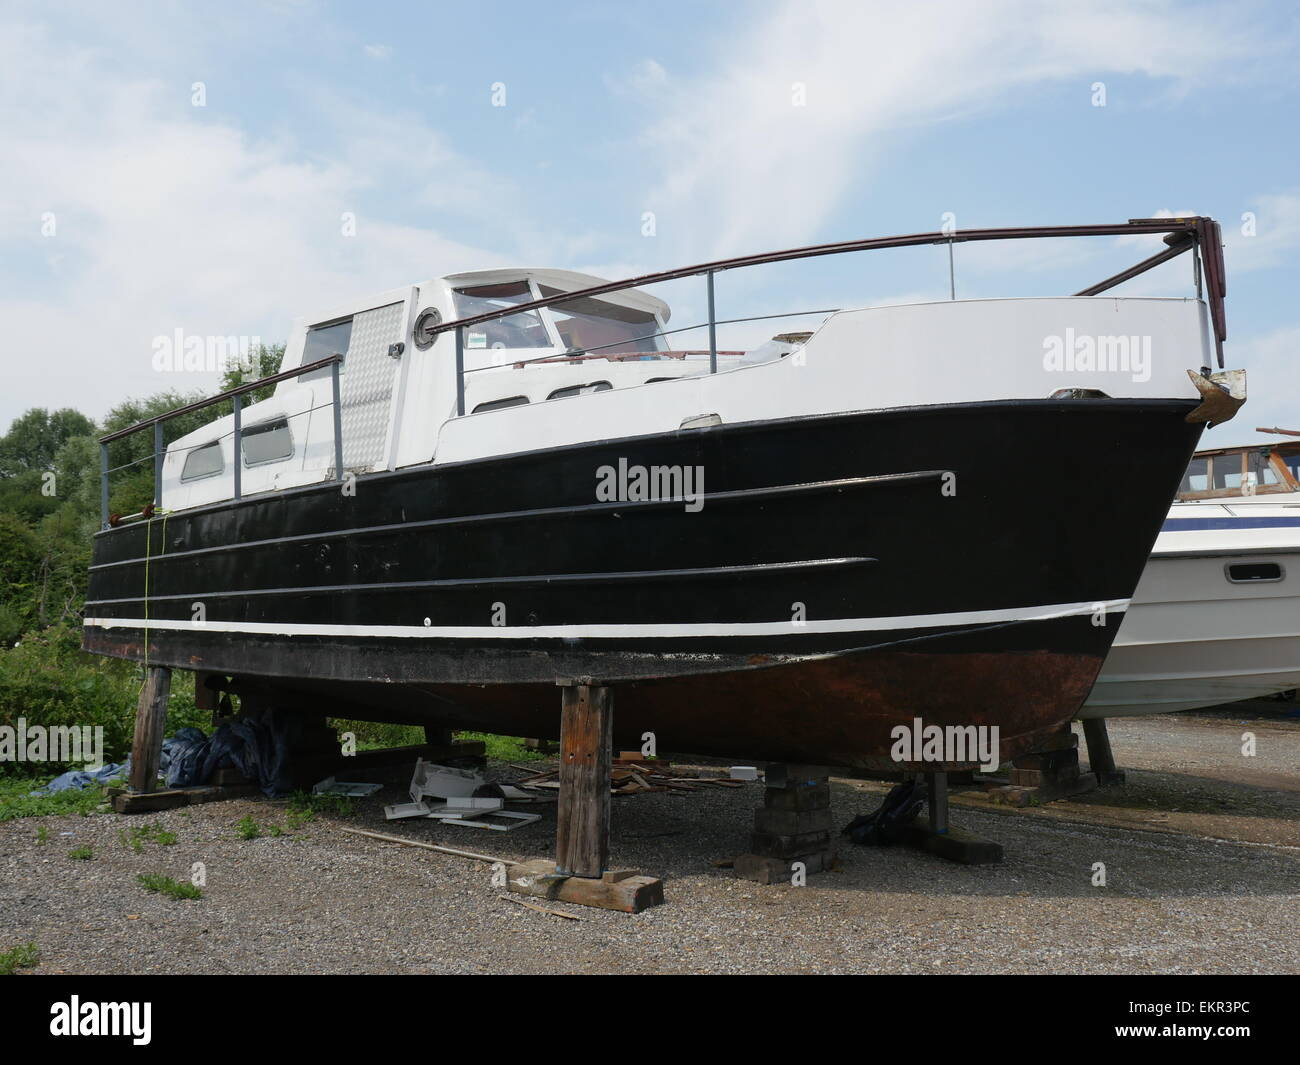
x: 1270, y: 360
x: 377, y: 51
x: 1276, y: 233
x: 747, y: 167
x: 168, y: 217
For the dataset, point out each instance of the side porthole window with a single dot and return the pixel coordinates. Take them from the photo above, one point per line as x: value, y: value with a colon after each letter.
x: 500, y: 404
x: 205, y: 461
x: 268, y: 442
x: 579, y: 390
x: 1254, y: 572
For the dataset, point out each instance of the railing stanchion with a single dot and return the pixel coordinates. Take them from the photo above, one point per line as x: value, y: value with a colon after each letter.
x: 338, y: 420
x: 460, y: 371
x: 239, y: 456
x: 713, y: 329
x: 103, y: 486
x: 157, y: 463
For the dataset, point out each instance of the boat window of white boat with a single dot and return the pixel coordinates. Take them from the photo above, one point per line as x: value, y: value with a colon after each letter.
x: 1262, y: 471
x: 500, y: 404
x: 205, y: 461
x: 603, y: 328
x: 328, y: 338
x: 580, y: 390
x: 1254, y: 572
x: 1292, y: 461
x: 523, y: 330
x: 268, y: 442
x: 1197, y: 477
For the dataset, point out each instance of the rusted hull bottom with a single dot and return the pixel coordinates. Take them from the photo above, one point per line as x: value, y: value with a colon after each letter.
x: 836, y: 711
x: 831, y: 711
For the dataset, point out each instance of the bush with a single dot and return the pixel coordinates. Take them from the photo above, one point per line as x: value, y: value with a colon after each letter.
x: 48, y: 680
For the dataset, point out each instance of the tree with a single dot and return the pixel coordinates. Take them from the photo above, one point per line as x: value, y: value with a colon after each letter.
x: 260, y: 363
x: 36, y: 436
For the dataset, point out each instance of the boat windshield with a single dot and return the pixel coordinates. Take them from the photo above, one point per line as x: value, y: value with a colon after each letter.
x: 523, y: 330
x: 603, y: 328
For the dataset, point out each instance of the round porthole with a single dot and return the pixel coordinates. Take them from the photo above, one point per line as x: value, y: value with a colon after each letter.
x: 427, y: 320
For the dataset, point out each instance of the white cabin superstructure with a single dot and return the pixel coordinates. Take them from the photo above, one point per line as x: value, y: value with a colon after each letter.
x: 394, y: 403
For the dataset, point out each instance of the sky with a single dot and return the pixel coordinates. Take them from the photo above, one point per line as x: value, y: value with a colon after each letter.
x: 223, y: 169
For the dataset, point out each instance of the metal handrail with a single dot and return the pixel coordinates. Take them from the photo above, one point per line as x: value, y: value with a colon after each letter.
x: 234, y: 395
x: 1196, y: 232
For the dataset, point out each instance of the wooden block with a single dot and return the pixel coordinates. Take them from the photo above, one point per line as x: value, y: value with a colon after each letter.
x: 130, y: 802
x: 792, y: 822
x: 778, y: 845
x: 628, y: 894
x: 955, y: 845
x: 818, y: 798
x: 1048, y: 761
x: 582, y: 814
x: 766, y: 870
x: 1021, y: 795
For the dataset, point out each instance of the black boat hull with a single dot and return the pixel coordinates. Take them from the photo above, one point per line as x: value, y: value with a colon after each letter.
x: 845, y: 574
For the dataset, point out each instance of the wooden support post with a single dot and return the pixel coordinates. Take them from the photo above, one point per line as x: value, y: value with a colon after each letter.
x: 150, y: 719
x: 437, y: 735
x: 586, y: 740
x: 1101, y: 759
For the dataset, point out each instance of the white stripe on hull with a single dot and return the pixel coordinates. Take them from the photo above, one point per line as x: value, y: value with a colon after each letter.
x: 629, y: 632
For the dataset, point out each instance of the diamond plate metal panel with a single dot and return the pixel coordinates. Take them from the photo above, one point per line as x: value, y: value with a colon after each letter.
x: 367, y: 385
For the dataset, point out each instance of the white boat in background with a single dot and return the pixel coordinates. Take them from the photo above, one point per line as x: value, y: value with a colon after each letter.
x: 1216, y: 615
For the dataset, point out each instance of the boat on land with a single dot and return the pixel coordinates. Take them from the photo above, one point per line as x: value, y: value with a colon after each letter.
x: 1216, y: 616
x: 467, y: 490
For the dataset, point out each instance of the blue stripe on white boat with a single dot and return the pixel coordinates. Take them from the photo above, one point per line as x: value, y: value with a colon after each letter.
x: 1195, y: 524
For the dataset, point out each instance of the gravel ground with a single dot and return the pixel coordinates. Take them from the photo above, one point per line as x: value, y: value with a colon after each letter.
x: 1201, y: 848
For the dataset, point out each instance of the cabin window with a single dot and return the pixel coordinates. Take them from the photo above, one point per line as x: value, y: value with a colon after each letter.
x: 580, y: 390
x: 1197, y: 477
x: 205, y: 461
x: 268, y: 442
x: 1292, y: 461
x: 523, y: 330
x: 500, y: 404
x: 1254, y: 572
x: 330, y: 338
x: 601, y: 327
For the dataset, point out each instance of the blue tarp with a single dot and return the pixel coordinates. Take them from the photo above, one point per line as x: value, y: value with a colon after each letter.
x: 258, y: 745
x: 81, y: 778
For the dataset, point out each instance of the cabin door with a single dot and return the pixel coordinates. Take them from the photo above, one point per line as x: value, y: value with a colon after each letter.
x: 366, y: 385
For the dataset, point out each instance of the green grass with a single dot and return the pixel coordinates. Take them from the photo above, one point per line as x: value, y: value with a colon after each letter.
x: 24, y: 956
x: 247, y: 828
x: 136, y: 838
x: 15, y: 802
x: 503, y: 748
x: 165, y: 885
x: 305, y: 804
x: 81, y: 854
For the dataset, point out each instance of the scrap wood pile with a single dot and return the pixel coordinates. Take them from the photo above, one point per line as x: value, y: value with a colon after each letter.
x: 633, y: 773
